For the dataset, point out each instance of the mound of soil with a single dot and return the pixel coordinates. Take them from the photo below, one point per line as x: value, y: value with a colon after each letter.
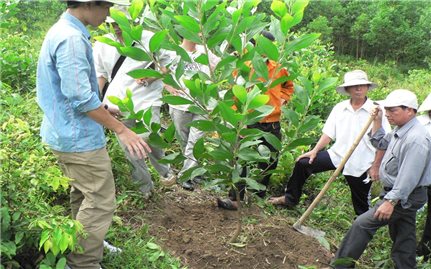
x: 191, y: 227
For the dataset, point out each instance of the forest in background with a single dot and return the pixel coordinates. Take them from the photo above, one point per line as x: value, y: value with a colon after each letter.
x: 391, y: 40
x: 396, y: 33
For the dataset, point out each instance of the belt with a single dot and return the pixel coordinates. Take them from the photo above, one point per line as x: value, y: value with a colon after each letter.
x: 388, y: 189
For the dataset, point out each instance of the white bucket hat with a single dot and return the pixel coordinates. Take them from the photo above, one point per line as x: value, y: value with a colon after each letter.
x: 426, y: 105
x: 353, y: 78
x: 400, y: 97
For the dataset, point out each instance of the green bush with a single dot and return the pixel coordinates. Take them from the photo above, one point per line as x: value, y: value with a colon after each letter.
x: 35, y: 228
x: 18, y: 61
x: 26, y: 22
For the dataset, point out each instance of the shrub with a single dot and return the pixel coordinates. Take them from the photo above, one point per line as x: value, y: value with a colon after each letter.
x: 32, y: 191
x: 26, y: 22
x: 18, y: 61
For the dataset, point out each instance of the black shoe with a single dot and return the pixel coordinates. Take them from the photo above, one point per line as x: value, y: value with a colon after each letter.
x: 197, y: 180
x: 188, y: 185
x: 227, y: 204
x: 424, y: 249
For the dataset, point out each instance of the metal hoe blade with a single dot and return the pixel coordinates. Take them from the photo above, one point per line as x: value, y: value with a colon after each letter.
x: 308, y: 231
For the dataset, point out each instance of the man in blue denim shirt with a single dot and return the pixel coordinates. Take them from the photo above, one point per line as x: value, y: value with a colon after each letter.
x: 67, y: 92
x: 405, y: 171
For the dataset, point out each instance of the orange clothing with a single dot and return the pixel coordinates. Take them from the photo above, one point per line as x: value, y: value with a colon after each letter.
x: 277, y: 94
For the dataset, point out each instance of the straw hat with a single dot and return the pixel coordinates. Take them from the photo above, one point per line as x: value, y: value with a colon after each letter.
x: 353, y: 78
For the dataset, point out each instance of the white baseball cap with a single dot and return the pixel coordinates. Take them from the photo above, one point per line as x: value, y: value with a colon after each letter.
x: 353, y: 78
x: 426, y: 105
x: 401, y: 97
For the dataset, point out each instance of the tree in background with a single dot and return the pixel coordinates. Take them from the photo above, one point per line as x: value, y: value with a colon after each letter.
x: 382, y: 30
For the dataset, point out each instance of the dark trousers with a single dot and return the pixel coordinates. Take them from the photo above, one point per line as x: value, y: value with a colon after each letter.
x: 402, y: 230
x: 303, y: 170
x: 424, y: 247
x: 265, y: 167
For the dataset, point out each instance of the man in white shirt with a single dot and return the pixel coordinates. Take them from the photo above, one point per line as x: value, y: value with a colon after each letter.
x: 180, y: 115
x: 424, y: 247
x: 343, y: 125
x: 147, y: 94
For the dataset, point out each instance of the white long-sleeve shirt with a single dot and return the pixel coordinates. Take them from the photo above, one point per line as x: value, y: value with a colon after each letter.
x: 105, y: 58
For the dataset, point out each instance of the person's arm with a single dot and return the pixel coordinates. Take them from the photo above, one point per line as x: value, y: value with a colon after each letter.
x: 321, y: 144
x: 76, y: 87
x: 98, y: 54
x: 377, y: 122
x: 172, y: 90
x: 149, y: 80
x: 328, y: 134
x: 410, y: 166
x: 163, y: 58
x: 373, y: 172
x: 380, y: 141
x: 134, y: 143
x: 101, y: 81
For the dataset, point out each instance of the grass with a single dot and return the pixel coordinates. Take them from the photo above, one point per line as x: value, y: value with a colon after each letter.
x: 139, y: 249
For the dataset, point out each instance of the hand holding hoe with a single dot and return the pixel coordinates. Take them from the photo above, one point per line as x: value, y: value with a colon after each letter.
x: 313, y: 232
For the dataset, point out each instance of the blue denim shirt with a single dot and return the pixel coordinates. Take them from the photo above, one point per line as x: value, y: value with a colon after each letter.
x: 67, y: 88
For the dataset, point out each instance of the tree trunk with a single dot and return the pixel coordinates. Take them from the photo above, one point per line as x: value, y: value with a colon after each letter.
x: 239, y: 220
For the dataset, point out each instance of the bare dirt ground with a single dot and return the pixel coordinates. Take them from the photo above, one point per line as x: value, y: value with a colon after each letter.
x: 191, y: 227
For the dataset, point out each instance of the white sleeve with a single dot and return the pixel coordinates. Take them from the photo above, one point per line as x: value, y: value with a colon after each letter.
x: 330, y: 125
x: 98, y: 60
x: 166, y: 57
x: 213, y: 59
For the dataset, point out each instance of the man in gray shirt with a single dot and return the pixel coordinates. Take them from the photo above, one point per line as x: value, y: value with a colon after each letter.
x: 405, y: 172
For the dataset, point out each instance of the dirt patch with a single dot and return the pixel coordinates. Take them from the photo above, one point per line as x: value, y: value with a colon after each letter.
x: 191, y: 227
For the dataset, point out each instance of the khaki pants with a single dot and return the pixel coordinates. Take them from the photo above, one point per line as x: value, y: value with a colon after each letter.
x: 92, y: 199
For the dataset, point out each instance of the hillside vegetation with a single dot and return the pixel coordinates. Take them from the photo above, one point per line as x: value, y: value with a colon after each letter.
x: 390, y: 40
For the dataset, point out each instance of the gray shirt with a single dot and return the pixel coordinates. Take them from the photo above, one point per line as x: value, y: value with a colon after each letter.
x: 406, y: 164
